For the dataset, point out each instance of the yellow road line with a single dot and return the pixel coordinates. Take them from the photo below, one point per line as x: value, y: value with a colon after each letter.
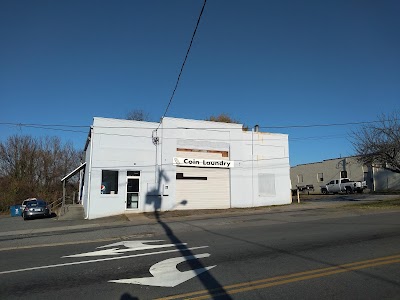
x: 284, y: 279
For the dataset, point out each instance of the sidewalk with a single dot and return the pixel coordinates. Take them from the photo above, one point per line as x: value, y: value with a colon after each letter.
x: 20, y: 227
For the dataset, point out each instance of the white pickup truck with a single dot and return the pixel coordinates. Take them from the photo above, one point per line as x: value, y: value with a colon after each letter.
x: 343, y: 185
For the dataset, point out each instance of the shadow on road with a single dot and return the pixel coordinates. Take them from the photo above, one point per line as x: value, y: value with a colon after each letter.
x: 127, y: 296
x: 295, y: 253
x: 210, y: 283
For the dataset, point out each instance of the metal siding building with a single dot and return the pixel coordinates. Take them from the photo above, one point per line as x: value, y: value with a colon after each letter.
x: 319, y: 173
x: 132, y: 167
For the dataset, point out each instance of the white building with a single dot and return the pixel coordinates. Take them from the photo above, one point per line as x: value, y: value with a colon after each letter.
x: 134, y: 166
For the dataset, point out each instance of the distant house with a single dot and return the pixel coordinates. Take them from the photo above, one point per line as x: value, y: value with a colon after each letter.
x: 319, y: 173
x: 134, y: 166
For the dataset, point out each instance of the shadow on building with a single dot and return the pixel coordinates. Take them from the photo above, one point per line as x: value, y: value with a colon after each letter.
x: 210, y: 283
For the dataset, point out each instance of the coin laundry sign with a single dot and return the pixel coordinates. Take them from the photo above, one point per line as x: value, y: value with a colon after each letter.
x: 201, y: 162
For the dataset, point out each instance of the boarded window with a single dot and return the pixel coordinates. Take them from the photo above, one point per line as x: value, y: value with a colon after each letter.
x: 266, y: 184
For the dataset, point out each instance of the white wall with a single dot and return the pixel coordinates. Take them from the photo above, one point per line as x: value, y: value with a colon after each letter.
x: 127, y: 145
x: 202, y: 135
x: 260, y: 153
x: 120, y: 145
x: 86, y: 178
x: 386, y: 180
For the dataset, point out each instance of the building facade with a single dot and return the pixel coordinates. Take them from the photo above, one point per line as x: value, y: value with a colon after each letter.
x: 133, y: 166
x: 319, y: 173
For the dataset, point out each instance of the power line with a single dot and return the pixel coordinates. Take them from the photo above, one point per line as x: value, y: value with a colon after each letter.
x: 44, y: 125
x: 249, y: 140
x: 171, y: 128
x: 192, y: 128
x: 236, y: 161
x: 319, y: 125
x: 47, y: 127
x: 183, y: 64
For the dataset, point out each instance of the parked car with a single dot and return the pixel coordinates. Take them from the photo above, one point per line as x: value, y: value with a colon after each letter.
x: 23, y: 205
x: 344, y: 185
x: 35, y: 209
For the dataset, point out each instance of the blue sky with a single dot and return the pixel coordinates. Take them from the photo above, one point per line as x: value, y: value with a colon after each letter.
x: 271, y: 63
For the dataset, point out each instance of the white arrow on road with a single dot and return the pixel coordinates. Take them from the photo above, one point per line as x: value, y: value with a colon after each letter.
x: 130, y: 246
x: 165, y: 273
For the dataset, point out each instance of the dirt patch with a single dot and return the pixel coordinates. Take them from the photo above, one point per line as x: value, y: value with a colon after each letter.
x: 183, y: 213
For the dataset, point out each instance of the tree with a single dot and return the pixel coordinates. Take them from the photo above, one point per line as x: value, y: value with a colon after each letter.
x: 138, y: 115
x: 225, y: 118
x: 378, y: 144
x: 33, y: 167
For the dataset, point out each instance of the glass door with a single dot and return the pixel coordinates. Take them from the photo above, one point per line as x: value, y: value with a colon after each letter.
x: 132, y: 195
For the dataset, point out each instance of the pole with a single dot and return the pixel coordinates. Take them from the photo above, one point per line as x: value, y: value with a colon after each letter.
x: 252, y: 167
x: 63, y: 200
x: 298, y: 196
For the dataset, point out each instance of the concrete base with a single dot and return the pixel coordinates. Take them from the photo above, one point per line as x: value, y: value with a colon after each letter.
x: 73, y: 212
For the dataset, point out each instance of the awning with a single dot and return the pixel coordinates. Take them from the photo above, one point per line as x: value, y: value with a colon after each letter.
x: 74, y: 172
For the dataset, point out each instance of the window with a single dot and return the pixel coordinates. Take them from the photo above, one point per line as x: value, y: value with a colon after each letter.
x: 181, y: 176
x: 133, y: 173
x: 366, y: 176
x: 266, y: 184
x: 320, y: 177
x: 109, y: 182
x: 300, y: 178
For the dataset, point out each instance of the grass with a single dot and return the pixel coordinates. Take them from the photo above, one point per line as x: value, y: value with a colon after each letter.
x: 383, y: 204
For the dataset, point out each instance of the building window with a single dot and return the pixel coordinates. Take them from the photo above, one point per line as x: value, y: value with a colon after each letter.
x: 109, y: 182
x: 300, y: 178
x: 266, y: 184
x: 181, y: 176
x: 133, y: 173
x: 320, y: 177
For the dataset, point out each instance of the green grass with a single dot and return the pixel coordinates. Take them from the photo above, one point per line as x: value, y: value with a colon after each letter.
x: 394, y: 203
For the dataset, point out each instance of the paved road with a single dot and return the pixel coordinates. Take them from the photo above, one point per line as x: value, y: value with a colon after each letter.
x: 306, y: 252
x: 15, y: 226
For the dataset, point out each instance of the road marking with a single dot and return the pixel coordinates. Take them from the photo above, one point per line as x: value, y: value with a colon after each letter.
x: 130, y: 246
x: 165, y: 273
x: 100, y: 260
x: 284, y: 279
x: 75, y: 243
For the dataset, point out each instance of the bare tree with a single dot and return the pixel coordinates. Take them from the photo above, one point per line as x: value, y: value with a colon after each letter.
x: 32, y: 167
x: 138, y: 115
x: 378, y: 144
x: 225, y: 118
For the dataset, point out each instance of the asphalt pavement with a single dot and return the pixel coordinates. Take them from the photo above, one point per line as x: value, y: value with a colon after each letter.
x: 318, y: 249
x: 12, y: 226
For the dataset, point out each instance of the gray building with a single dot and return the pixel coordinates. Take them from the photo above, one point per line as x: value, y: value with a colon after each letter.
x: 319, y: 173
x: 134, y: 166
